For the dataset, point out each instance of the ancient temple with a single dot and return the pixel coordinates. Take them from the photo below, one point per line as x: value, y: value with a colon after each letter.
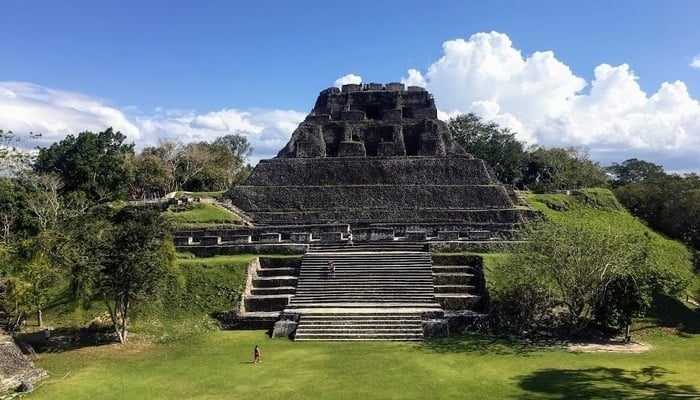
x: 376, y: 156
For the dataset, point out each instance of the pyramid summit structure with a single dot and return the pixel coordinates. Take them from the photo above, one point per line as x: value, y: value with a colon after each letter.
x: 377, y: 158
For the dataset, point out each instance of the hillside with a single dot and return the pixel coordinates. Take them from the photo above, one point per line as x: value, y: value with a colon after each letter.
x: 600, y: 207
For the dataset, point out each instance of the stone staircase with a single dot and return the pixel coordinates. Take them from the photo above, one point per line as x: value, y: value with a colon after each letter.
x: 372, y: 325
x: 271, y: 283
x: 454, y: 286
x: 380, y: 291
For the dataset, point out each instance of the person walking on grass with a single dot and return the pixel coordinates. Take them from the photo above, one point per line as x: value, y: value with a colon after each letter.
x: 256, y: 355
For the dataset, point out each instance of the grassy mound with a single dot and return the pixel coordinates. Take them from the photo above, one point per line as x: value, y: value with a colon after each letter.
x: 200, y: 214
x: 599, y: 207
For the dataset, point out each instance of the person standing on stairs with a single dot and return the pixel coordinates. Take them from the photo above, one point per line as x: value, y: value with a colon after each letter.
x: 331, y: 268
x: 350, y: 238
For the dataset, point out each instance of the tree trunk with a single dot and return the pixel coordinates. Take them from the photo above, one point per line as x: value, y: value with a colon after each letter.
x: 115, y: 319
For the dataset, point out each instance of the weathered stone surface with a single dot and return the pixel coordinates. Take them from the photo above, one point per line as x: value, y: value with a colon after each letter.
x: 463, y: 321
x: 16, y: 370
x: 374, y: 156
x: 435, y: 328
x: 369, y: 112
x: 416, y: 236
x: 284, y: 329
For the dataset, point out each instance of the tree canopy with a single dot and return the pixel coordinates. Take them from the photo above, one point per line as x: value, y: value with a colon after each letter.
x: 92, y: 163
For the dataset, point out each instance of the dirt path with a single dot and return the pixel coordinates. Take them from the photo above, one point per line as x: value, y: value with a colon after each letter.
x: 632, y: 347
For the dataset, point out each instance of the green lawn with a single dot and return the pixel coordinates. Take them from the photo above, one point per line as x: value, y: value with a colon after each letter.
x: 202, y: 214
x: 217, y: 365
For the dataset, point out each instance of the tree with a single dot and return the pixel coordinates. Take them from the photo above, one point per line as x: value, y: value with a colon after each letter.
x: 633, y: 171
x: 578, y: 261
x: 93, y: 163
x: 167, y: 151
x: 495, y: 145
x: 39, y: 270
x: 134, y: 262
x: 150, y: 175
x: 680, y: 217
x: 546, y: 170
x: 236, y: 145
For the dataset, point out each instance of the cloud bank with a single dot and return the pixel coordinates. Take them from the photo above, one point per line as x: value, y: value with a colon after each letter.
x: 541, y: 98
x: 27, y: 107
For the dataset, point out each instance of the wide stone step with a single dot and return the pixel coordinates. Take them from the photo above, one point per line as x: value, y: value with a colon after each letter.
x: 396, y: 337
x: 363, y: 330
x: 267, y: 282
x: 452, y: 269
x: 364, y: 299
x: 360, y: 319
x: 453, y: 289
x: 457, y: 301
x: 289, y: 290
x: 349, y: 306
x: 277, y: 272
x: 452, y: 279
x: 265, y: 302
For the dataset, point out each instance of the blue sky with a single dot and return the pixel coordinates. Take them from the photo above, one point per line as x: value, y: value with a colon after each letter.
x: 621, y: 78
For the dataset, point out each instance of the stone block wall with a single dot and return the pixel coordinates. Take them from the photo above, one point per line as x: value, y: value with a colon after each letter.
x: 367, y: 198
x: 370, y: 171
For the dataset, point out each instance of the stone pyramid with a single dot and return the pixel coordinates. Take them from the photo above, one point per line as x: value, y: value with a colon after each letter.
x: 376, y: 156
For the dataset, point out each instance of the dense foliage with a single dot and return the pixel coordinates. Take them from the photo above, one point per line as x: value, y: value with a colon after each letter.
x: 534, y: 168
x: 587, y: 262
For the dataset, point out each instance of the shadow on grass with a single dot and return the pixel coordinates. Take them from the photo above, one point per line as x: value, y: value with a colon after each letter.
x: 670, y: 312
x: 65, y: 339
x: 474, y: 343
x: 603, y: 383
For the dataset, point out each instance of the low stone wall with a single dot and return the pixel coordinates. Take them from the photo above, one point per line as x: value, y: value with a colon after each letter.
x: 255, y: 248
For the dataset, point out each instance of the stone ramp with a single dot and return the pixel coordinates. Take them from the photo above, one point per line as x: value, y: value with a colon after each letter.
x: 378, y: 292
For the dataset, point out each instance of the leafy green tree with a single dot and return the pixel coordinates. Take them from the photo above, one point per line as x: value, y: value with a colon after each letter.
x: 665, y: 203
x: 124, y: 259
x: 236, y: 145
x: 633, y: 171
x: 578, y: 262
x: 549, y: 169
x: 93, y: 163
x: 167, y: 151
x: 141, y: 253
x: 680, y: 217
x: 497, y: 146
x: 39, y: 269
x: 150, y: 175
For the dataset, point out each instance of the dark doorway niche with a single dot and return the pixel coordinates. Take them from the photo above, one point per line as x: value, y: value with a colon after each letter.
x: 373, y: 112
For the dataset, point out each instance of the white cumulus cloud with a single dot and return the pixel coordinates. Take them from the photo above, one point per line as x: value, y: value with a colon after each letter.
x: 543, y: 100
x: 695, y: 62
x: 27, y: 107
x: 346, y: 79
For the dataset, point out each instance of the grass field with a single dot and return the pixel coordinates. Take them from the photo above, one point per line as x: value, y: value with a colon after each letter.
x: 218, y: 365
x: 202, y: 214
x: 177, y: 353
